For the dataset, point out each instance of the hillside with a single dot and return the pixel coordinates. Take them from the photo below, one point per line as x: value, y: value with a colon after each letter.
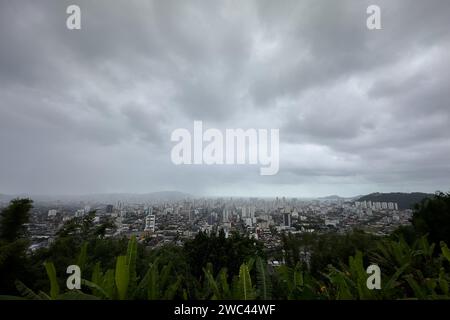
x: 404, y: 200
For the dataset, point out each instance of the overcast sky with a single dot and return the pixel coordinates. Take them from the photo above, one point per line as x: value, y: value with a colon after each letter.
x: 92, y: 110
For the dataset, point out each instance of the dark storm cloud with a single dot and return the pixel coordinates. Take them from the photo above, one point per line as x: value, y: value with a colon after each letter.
x: 93, y: 110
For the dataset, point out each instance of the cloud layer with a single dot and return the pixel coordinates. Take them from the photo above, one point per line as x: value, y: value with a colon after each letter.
x: 92, y: 110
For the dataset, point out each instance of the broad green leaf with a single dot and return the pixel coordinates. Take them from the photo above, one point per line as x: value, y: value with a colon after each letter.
x: 122, y: 277
x: 51, y: 273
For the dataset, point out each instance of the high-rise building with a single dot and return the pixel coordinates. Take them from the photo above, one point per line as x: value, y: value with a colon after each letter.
x: 79, y: 213
x: 109, y: 208
x: 287, y: 219
x: 244, y: 212
x: 226, y: 215
x: 150, y: 223
x: 251, y: 212
x: 212, y: 219
x: 52, y: 212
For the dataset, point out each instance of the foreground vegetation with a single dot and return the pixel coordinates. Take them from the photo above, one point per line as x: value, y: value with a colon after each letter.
x: 414, y: 263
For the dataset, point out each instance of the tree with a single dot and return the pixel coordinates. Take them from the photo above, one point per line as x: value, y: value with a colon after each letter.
x: 221, y: 251
x: 432, y: 216
x: 13, y: 218
x: 13, y: 243
x: 63, y: 251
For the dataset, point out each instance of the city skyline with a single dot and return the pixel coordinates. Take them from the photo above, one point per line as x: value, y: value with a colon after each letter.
x: 176, y: 196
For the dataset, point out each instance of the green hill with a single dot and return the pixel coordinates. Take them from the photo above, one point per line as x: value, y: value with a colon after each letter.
x: 404, y: 200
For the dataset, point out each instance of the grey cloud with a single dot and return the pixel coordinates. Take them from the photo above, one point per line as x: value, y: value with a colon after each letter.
x: 92, y: 110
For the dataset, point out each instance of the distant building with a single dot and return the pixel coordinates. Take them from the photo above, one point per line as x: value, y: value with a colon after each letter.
x: 191, y: 215
x: 109, y: 208
x: 226, y: 215
x: 212, y: 218
x: 79, y: 213
x: 243, y: 212
x: 331, y: 222
x: 251, y: 212
x: 52, y: 213
x: 150, y: 223
x: 287, y: 219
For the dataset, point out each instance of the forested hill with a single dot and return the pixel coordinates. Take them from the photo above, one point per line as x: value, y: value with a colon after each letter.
x: 404, y: 200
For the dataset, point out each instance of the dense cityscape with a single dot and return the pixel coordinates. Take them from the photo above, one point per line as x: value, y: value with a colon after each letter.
x: 162, y: 222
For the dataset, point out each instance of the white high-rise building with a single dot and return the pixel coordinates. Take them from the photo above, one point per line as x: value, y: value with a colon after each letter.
x: 79, y: 213
x: 251, y: 212
x: 52, y: 212
x: 226, y: 215
x: 150, y: 223
x: 244, y: 212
